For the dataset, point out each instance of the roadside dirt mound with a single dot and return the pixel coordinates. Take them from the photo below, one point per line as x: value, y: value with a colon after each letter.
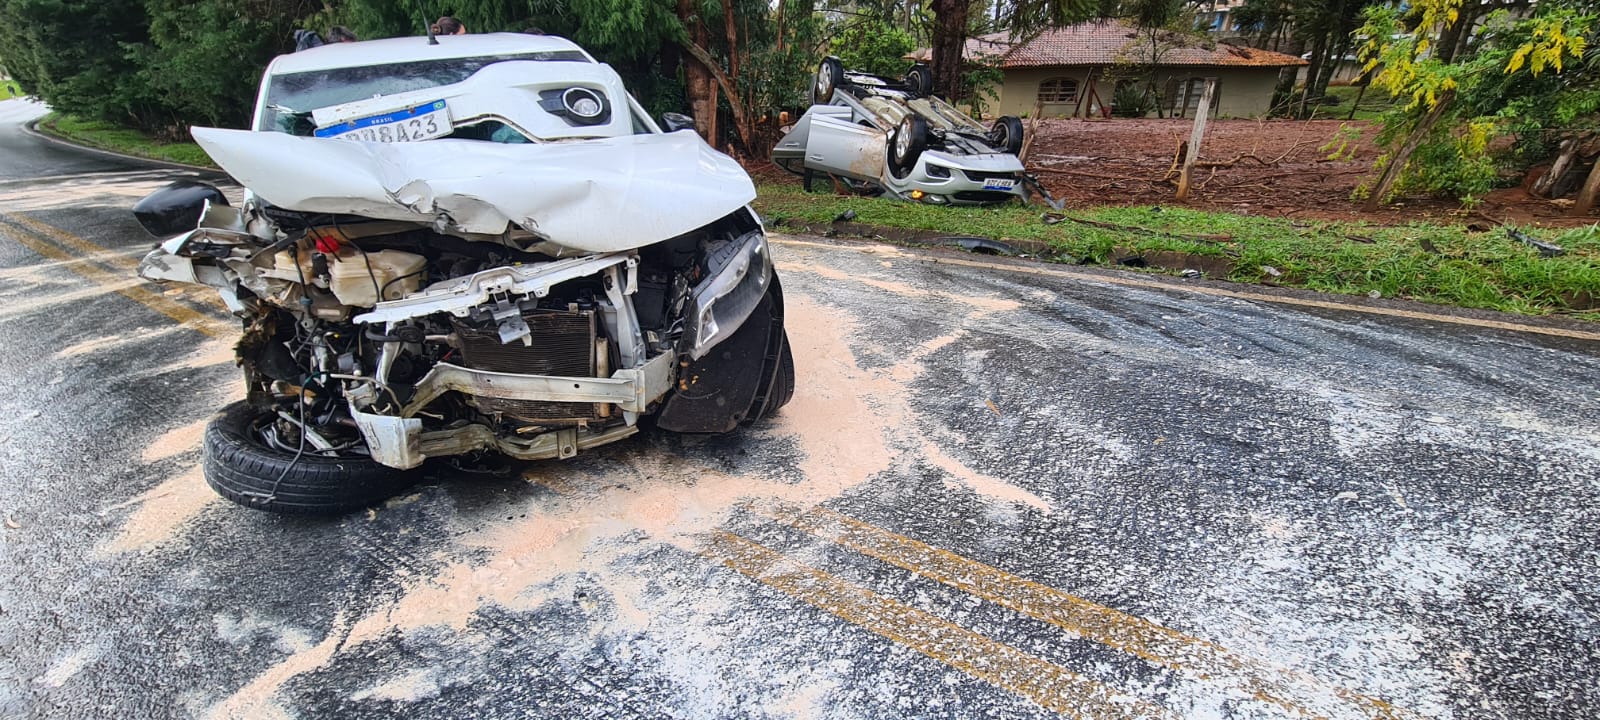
x: 1276, y: 168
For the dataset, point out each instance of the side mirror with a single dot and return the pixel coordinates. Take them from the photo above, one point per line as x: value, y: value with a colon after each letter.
x: 177, y: 207
x: 677, y: 121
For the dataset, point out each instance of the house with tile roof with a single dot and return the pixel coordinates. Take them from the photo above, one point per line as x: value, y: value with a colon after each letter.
x: 1070, y: 71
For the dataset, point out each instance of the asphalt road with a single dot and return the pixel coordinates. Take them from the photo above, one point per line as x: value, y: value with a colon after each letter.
x: 999, y: 492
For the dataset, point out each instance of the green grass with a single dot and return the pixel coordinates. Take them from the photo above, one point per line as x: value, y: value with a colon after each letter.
x: 122, y: 140
x: 1374, y: 103
x: 9, y: 89
x: 1485, y: 270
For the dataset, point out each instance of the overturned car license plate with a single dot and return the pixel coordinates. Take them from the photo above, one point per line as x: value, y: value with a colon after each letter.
x: 999, y: 184
x: 423, y: 122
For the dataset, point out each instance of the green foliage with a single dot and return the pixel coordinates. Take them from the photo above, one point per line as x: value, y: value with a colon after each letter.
x: 205, y: 60
x: 982, y: 80
x: 1130, y: 100
x: 1527, y: 79
x: 73, y: 55
x: 874, y: 46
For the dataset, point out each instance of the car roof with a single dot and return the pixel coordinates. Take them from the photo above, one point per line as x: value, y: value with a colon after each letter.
x: 407, y: 49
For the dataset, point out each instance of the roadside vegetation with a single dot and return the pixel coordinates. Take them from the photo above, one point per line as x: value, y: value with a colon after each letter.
x: 103, y: 135
x: 1441, y: 264
x: 10, y: 89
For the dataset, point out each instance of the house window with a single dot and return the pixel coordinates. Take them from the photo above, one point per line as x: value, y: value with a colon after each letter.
x: 1183, y: 96
x: 1058, y: 90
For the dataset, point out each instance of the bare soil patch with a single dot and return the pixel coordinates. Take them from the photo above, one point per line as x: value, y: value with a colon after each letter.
x: 1276, y: 168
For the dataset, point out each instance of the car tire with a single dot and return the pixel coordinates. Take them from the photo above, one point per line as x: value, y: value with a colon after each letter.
x: 906, y: 144
x: 830, y: 73
x: 919, y: 80
x: 244, y: 470
x: 1007, y: 134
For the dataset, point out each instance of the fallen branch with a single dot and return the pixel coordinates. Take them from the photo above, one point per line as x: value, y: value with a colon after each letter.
x: 1096, y: 175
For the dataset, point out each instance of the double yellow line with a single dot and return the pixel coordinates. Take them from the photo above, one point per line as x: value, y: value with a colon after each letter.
x: 1190, y: 656
x: 108, y: 269
x: 1044, y: 682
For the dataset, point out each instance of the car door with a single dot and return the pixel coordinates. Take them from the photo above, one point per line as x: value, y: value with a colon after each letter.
x: 841, y: 146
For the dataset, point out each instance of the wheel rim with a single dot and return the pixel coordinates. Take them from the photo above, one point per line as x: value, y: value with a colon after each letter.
x: 824, y: 82
x: 902, y: 142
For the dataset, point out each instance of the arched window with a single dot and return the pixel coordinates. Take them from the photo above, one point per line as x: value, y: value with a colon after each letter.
x: 1058, y: 90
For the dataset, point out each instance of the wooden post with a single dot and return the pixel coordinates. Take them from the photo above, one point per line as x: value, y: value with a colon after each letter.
x: 1033, y: 131
x: 1200, y: 115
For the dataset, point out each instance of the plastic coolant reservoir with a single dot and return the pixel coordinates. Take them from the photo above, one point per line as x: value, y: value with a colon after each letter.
x: 397, y: 272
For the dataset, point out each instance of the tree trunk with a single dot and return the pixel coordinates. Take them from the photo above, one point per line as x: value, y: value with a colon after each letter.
x: 732, y: 36
x: 1558, y: 169
x: 949, y: 40
x: 1586, y: 196
x: 1360, y: 91
x: 697, y: 77
x: 1391, y: 172
x: 1318, y: 50
x: 741, y: 121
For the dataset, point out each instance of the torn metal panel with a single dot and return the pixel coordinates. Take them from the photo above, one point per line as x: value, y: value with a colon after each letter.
x: 596, y: 196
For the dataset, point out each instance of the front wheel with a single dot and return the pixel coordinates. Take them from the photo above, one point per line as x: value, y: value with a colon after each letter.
x: 1007, y: 134
x: 829, y: 74
x: 242, y: 467
x: 909, y: 140
x: 919, y: 81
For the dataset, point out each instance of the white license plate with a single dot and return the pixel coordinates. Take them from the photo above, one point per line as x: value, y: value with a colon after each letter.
x: 999, y: 184
x: 423, y: 122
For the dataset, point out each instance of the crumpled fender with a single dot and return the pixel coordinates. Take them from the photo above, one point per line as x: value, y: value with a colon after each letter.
x: 602, y: 195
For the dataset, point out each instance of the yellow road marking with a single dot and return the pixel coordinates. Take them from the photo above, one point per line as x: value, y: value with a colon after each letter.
x: 1134, y: 635
x: 1041, y: 681
x: 1235, y: 294
x: 183, y: 314
x: 95, y: 252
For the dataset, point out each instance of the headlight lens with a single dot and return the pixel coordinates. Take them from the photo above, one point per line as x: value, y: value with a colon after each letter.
x: 721, y: 303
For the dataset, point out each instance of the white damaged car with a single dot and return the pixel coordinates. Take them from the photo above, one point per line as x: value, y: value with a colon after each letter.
x: 478, y: 244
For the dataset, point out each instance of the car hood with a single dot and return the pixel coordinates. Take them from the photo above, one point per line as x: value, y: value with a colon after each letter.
x: 602, y: 195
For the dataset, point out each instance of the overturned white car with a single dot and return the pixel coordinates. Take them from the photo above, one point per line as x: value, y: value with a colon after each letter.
x: 894, y: 137
x: 482, y: 244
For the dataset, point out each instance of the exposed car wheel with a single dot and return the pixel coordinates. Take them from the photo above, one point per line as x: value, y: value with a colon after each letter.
x: 909, y: 140
x: 240, y: 466
x: 829, y: 74
x: 783, y: 385
x: 1007, y: 134
x: 919, y: 80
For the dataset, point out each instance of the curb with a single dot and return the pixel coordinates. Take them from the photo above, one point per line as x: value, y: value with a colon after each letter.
x: 31, y: 128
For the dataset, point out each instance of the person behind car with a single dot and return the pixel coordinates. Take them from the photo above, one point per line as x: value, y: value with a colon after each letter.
x: 447, y: 25
x: 341, y: 34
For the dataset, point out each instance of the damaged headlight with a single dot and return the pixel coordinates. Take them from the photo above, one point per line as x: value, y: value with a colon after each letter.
x: 720, y: 304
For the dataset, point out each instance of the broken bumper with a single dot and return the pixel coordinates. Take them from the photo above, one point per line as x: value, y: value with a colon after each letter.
x: 399, y: 441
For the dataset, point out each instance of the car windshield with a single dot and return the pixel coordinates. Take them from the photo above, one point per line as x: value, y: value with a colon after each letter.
x: 291, y: 95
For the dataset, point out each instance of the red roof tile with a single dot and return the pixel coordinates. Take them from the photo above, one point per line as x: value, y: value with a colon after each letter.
x: 1105, y: 43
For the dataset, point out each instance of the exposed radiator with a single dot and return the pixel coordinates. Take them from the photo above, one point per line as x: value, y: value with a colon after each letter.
x: 563, y: 344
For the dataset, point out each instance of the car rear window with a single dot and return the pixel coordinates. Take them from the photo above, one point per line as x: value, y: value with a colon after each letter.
x: 291, y: 95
